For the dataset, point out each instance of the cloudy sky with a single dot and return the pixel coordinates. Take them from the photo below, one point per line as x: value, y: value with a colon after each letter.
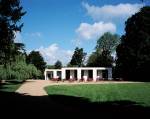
x: 56, y: 27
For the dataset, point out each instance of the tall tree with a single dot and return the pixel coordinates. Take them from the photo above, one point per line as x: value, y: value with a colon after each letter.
x: 19, y: 70
x: 134, y: 51
x: 10, y: 14
x: 103, y: 59
x: 78, y: 57
x: 37, y: 60
x: 19, y: 48
x: 58, y: 64
x: 107, y: 42
x: 105, y: 46
x: 92, y: 60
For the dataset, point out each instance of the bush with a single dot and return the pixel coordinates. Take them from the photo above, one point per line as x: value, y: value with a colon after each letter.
x: 3, y: 75
x: 33, y: 72
x: 19, y: 71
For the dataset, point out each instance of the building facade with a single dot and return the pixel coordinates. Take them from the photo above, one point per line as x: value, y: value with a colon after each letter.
x: 79, y: 73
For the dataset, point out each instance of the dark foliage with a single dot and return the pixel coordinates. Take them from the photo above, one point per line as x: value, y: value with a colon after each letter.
x: 10, y: 14
x: 78, y: 57
x: 133, y: 53
x: 58, y: 65
x: 37, y: 60
x: 105, y: 46
x: 103, y: 59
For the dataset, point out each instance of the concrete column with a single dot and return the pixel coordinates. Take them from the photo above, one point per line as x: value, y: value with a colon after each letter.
x: 63, y: 74
x: 45, y: 75
x: 94, y: 74
x: 78, y: 74
x: 54, y: 74
x: 110, y: 74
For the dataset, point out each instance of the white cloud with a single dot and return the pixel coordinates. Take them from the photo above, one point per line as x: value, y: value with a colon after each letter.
x: 93, y: 31
x: 53, y: 53
x: 111, y: 12
x: 18, y: 37
x: 34, y: 34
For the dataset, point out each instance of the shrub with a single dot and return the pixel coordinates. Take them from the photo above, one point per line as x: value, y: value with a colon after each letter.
x: 20, y: 71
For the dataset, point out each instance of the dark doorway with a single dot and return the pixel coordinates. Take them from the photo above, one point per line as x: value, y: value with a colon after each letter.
x: 59, y: 74
x: 105, y: 74
x: 50, y: 75
x: 82, y: 73
x: 67, y: 74
x: 90, y: 73
x: 75, y: 74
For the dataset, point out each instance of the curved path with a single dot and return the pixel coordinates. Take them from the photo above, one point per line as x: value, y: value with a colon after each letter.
x: 36, y: 87
x: 33, y: 87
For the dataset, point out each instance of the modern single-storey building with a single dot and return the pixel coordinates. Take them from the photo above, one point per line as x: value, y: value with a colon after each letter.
x: 78, y: 73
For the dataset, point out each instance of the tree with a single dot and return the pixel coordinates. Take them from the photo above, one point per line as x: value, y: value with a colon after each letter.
x: 133, y: 52
x: 19, y: 48
x: 103, y: 59
x: 105, y: 46
x: 19, y: 70
x: 10, y: 14
x: 107, y: 42
x: 78, y: 57
x: 22, y: 71
x: 37, y: 60
x: 92, y: 60
x: 58, y: 65
x: 50, y: 66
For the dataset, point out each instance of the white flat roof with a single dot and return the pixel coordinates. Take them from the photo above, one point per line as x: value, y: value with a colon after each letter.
x: 90, y: 68
x: 53, y: 69
x: 82, y: 68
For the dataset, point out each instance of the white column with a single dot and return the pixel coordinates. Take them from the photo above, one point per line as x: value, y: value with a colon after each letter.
x: 109, y: 73
x: 78, y: 74
x: 85, y: 75
x: 45, y: 75
x: 63, y: 74
x: 55, y: 74
x: 94, y: 74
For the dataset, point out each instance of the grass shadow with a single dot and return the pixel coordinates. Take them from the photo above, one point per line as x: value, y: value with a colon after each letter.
x: 84, y: 106
x: 10, y: 86
x: 13, y: 104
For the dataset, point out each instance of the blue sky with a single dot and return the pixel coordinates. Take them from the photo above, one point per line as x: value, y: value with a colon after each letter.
x: 56, y: 27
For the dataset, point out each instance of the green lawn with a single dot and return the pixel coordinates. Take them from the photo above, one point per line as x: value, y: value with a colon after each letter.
x: 136, y: 92
x: 10, y: 86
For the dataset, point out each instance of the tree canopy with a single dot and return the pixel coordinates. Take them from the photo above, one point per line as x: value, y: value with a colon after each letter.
x: 78, y: 57
x: 133, y: 52
x: 107, y: 42
x: 10, y: 14
x: 58, y: 64
x: 106, y: 45
x: 12, y: 55
x: 37, y: 60
x: 19, y: 70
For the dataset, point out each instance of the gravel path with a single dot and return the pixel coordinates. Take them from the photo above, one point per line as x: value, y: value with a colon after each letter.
x: 36, y: 87
x: 33, y: 87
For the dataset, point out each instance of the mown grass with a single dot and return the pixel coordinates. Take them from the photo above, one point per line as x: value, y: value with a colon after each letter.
x: 136, y: 92
x: 10, y: 86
